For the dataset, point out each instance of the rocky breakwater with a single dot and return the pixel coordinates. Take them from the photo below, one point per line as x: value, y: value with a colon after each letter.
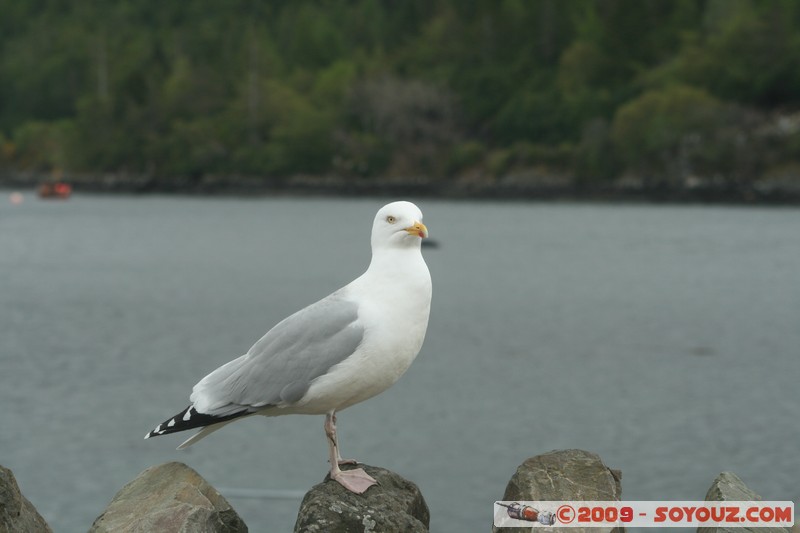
x: 172, y: 498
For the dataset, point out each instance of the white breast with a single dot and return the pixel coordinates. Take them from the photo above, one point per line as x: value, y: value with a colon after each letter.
x: 394, y: 305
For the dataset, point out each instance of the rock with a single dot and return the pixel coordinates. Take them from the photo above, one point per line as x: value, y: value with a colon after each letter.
x: 728, y: 487
x: 168, y: 498
x: 394, y: 505
x: 563, y: 475
x: 17, y: 514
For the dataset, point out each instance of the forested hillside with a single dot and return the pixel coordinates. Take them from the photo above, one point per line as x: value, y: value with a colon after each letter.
x: 657, y: 92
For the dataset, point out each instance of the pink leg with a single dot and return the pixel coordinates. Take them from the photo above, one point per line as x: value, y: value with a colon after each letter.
x: 330, y: 428
x: 355, y: 480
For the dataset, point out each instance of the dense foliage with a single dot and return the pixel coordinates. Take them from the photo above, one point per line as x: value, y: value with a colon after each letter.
x: 591, y: 90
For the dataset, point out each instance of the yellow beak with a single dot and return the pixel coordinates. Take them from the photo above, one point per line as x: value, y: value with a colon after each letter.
x: 418, y: 229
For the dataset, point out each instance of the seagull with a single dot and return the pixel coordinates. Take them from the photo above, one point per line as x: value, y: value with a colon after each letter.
x: 337, y: 352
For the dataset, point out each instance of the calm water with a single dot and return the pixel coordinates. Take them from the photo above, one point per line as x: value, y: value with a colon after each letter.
x: 665, y: 339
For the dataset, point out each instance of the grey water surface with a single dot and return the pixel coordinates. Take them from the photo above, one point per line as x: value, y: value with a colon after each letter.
x: 664, y: 338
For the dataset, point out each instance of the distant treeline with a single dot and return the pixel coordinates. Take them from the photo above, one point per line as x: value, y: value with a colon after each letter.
x: 655, y: 92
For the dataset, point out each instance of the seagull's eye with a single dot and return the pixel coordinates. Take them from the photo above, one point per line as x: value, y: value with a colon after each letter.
x: 390, y: 219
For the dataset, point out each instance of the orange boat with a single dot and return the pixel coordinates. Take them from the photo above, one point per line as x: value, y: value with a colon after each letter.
x: 58, y: 190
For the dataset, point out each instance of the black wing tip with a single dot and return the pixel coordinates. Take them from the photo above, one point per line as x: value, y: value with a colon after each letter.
x: 189, y: 418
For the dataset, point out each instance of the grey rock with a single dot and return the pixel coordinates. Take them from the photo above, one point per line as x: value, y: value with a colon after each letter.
x: 17, y: 514
x: 563, y: 475
x: 728, y: 487
x: 168, y: 498
x: 394, y: 505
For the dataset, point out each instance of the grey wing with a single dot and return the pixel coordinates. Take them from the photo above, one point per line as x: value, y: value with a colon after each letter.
x: 280, y: 367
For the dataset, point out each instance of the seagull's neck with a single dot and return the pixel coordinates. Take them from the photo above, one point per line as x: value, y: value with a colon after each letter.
x: 397, y: 278
x: 395, y: 269
x: 396, y: 260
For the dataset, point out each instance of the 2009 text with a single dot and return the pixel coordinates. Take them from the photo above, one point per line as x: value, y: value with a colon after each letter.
x: 644, y: 513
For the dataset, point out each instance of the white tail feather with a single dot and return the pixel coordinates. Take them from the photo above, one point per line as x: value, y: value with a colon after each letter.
x: 206, y: 431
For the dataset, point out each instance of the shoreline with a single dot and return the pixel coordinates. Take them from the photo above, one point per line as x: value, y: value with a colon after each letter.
x: 311, y: 186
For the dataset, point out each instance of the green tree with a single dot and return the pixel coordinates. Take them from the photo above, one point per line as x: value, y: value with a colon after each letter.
x: 655, y: 134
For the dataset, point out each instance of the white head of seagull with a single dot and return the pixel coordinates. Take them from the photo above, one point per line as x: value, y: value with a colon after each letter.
x: 346, y: 348
x: 398, y: 224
